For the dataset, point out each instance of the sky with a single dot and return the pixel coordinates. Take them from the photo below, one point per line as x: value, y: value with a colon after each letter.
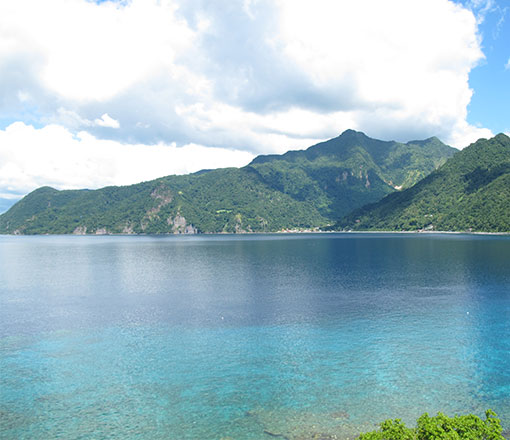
x: 97, y: 93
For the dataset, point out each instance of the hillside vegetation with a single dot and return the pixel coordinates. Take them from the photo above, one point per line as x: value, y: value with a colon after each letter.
x: 303, y: 189
x: 470, y: 192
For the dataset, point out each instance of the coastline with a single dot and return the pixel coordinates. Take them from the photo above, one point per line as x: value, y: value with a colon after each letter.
x: 283, y: 232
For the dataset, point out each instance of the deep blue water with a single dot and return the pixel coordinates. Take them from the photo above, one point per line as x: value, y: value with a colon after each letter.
x: 211, y: 337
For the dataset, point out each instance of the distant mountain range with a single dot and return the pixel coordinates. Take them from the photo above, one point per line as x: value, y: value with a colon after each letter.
x: 306, y: 189
x: 470, y: 192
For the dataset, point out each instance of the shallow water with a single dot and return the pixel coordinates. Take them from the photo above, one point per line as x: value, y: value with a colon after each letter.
x: 211, y: 337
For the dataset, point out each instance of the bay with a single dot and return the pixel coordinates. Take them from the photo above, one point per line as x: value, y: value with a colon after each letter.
x: 224, y: 336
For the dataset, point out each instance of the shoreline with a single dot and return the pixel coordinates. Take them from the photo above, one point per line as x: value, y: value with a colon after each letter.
x: 248, y: 233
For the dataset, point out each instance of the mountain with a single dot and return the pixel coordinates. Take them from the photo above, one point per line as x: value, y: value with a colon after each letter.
x: 297, y: 190
x: 470, y: 192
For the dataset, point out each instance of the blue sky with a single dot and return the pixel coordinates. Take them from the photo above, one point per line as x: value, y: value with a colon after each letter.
x: 491, y: 79
x: 116, y: 92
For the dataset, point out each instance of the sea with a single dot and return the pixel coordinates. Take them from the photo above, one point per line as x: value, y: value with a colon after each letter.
x: 283, y: 336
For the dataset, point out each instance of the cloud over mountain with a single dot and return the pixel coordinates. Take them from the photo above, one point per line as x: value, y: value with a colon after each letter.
x: 252, y: 75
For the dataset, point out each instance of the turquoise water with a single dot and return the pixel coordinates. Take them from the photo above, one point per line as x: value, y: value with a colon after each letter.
x: 214, y: 337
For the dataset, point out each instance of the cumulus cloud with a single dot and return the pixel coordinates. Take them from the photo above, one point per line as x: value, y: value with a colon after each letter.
x: 52, y: 155
x: 405, y: 77
x: 482, y: 8
x: 94, y: 51
x: 254, y: 75
x: 107, y: 121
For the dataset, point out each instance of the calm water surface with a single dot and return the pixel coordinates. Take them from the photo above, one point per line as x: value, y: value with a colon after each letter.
x: 212, y: 337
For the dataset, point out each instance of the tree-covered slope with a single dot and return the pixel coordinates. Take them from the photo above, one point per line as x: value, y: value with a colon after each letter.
x: 351, y: 170
x: 300, y: 189
x: 470, y: 192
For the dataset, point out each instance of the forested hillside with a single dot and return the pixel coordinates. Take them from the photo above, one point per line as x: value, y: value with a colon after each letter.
x: 304, y: 189
x: 470, y: 192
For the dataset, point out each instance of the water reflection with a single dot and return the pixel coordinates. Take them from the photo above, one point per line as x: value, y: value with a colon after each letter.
x: 194, y: 336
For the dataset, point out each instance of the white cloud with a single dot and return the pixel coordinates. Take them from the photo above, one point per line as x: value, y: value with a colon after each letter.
x: 274, y: 132
x: 255, y: 75
x: 507, y: 65
x: 482, y: 8
x: 107, y: 121
x: 466, y: 134
x: 91, y: 51
x: 52, y: 155
x: 401, y: 73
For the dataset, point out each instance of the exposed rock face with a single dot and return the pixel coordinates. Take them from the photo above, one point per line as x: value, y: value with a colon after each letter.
x: 163, y: 196
x: 128, y: 229
x: 101, y: 231
x: 239, y: 229
x: 178, y: 223
x: 180, y: 226
x: 239, y: 224
x: 190, y: 229
x: 80, y: 230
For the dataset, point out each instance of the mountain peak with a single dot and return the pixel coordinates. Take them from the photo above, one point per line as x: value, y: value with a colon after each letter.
x: 350, y: 132
x: 502, y: 137
x: 299, y: 189
x: 468, y: 193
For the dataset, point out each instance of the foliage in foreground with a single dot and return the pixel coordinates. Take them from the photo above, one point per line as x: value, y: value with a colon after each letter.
x: 441, y: 427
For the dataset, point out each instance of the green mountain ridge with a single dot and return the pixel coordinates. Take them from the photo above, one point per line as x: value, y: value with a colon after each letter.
x: 470, y: 192
x: 304, y: 189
